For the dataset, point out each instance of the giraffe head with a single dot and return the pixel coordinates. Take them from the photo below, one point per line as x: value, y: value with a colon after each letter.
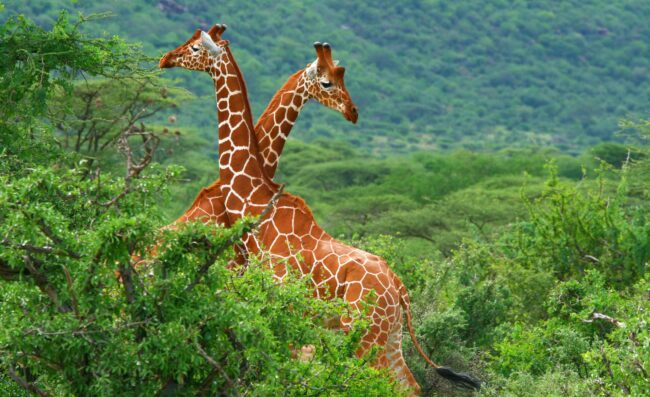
x: 326, y: 85
x: 203, y: 51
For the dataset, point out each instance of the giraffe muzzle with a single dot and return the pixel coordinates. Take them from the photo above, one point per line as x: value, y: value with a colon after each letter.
x: 352, y: 114
x: 167, y: 61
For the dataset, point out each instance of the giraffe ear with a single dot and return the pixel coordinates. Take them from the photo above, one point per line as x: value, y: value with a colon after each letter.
x: 336, y: 62
x: 312, y: 70
x: 207, y: 42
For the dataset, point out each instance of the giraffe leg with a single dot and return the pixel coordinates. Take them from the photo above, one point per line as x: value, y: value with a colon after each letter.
x: 377, y: 335
x: 386, y: 332
x: 396, y: 361
x: 306, y: 353
x: 386, y: 321
x: 239, y: 261
x: 390, y: 356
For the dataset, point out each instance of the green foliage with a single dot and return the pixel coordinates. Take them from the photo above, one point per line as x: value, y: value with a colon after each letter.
x: 106, y: 339
x: 553, y: 384
x: 614, y: 154
x: 87, y: 309
x: 532, y: 277
x: 622, y: 357
x: 10, y: 388
x: 639, y: 180
x: 433, y: 200
x: 555, y: 291
x: 536, y: 351
x: 538, y: 308
x: 93, y: 113
x: 590, y: 230
x: 609, y: 355
x: 426, y: 75
x: 34, y: 61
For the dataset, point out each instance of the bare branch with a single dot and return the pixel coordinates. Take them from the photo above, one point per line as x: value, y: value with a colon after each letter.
x: 604, y: 317
x: 217, y: 367
x: 46, y: 249
x: 26, y: 385
x: 83, y: 331
x: 117, y: 198
x: 84, y: 117
x: 73, y: 296
x: 237, y: 345
x: 268, y: 207
x: 639, y: 365
x: 43, y: 283
x: 134, y: 167
x: 127, y: 282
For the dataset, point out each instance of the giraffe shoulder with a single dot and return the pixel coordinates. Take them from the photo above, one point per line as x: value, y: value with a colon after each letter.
x: 206, y: 193
x: 298, y: 203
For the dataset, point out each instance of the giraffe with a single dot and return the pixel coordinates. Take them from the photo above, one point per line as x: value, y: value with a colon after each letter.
x: 322, y: 80
x: 289, y: 235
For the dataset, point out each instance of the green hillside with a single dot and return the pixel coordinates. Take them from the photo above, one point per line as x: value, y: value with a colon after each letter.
x: 425, y: 74
x: 526, y: 265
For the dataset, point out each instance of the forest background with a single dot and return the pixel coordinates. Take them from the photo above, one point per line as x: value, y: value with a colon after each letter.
x: 499, y: 165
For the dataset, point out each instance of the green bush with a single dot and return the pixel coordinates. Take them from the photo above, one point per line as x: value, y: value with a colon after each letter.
x: 572, y: 231
x: 560, y: 295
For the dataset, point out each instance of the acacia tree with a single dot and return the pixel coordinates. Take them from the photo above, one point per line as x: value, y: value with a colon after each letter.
x: 179, y: 323
x: 91, y: 119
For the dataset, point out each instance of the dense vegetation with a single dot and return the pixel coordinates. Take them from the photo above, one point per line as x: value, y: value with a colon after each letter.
x: 527, y: 267
x: 425, y: 74
x: 80, y: 315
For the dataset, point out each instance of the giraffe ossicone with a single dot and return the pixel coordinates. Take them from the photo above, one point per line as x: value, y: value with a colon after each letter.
x: 210, y: 45
x: 312, y: 69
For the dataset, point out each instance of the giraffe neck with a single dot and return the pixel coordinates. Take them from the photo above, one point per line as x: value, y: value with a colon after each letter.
x: 274, y: 125
x: 238, y: 150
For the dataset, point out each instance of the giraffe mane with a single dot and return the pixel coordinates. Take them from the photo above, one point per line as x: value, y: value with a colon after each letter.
x: 249, y: 119
x: 242, y: 82
x: 214, y: 187
x: 299, y: 203
x: 274, y: 102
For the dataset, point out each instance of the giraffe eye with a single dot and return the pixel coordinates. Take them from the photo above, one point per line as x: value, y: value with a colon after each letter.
x: 194, y: 48
x: 326, y: 84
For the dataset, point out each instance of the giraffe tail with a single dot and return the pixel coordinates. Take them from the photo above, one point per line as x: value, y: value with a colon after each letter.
x: 459, y: 379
